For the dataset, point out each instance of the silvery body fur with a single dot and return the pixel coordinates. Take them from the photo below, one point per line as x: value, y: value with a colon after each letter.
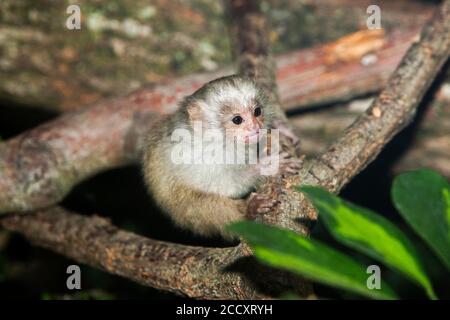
x: 200, y: 196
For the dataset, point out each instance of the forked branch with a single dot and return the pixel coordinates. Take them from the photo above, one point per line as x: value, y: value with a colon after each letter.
x: 197, y: 272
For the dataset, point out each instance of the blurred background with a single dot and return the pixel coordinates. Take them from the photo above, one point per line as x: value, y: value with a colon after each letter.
x: 46, y: 70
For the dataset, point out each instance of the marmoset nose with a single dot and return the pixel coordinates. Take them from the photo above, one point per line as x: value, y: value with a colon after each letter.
x: 253, y: 128
x: 255, y: 125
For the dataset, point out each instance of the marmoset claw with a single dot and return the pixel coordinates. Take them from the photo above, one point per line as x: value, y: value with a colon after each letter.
x: 258, y: 204
x: 290, y: 165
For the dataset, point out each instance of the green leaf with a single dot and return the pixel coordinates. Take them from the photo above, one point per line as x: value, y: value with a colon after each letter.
x: 423, y: 199
x: 287, y: 250
x: 369, y: 233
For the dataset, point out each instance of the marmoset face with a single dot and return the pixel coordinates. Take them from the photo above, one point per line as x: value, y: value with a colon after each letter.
x: 233, y: 105
x: 244, y: 122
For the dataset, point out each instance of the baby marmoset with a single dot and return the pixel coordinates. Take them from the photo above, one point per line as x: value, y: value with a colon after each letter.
x: 203, y: 197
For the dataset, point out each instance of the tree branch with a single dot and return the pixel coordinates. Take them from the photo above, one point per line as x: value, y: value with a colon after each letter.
x: 196, y: 272
x: 94, y: 241
x: 393, y: 109
x: 425, y: 147
x: 249, y: 27
x: 390, y: 112
x: 39, y: 167
x: 37, y: 75
x: 180, y: 269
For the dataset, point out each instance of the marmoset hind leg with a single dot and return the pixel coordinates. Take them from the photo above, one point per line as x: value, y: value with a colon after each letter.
x: 207, y: 213
x: 203, y: 213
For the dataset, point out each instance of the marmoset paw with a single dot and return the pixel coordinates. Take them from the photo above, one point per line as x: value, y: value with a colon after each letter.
x: 289, y: 165
x: 259, y: 204
x: 284, y: 130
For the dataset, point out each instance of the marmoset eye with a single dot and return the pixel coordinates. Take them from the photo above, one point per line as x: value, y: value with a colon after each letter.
x: 257, y: 112
x: 237, y: 120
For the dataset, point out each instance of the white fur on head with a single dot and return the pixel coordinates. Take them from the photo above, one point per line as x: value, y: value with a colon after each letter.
x: 217, y: 96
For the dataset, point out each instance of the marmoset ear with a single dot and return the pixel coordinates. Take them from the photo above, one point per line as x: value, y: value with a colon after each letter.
x: 195, y: 111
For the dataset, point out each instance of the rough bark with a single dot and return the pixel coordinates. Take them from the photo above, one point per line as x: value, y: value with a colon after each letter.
x: 392, y: 12
x: 249, y: 27
x: 94, y: 241
x: 119, y: 49
x: 255, y: 61
x: 39, y: 167
x: 426, y: 147
x: 390, y: 112
x: 306, y: 77
x: 196, y: 272
x: 250, y: 30
x: 215, y: 284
